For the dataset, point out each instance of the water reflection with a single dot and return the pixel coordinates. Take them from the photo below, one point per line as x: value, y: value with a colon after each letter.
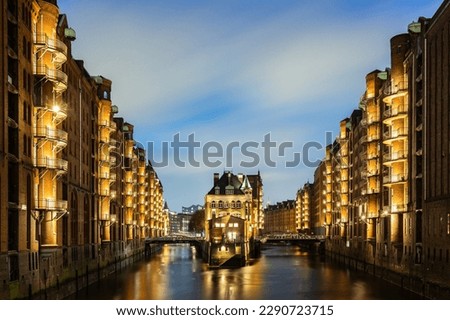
x: 283, y: 272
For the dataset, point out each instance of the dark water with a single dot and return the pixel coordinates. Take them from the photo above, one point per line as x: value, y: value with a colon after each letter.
x: 282, y: 272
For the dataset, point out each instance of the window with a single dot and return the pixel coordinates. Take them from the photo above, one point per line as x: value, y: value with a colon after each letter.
x: 238, y: 204
x: 220, y: 204
x: 232, y: 235
x: 25, y: 144
x: 448, y: 223
x: 213, y: 204
x: 233, y: 204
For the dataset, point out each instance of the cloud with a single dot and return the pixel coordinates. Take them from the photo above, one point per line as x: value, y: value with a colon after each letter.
x: 234, y: 70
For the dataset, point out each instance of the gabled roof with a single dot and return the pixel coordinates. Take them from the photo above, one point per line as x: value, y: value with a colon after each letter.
x: 227, y: 181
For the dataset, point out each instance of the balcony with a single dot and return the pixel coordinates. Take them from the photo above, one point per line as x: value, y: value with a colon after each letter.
x: 103, y: 192
x: 104, y: 217
x: 55, y: 46
x: 51, y: 163
x: 104, y: 175
x: 395, y: 90
x: 59, y: 137
x: 373, y: 119
x: 394, y: 179
x: 397, y: 156
x: 372, y: 173
x: 58, y: 77
x: 59, y: 110
x: 394, y: 113
x: 51, y: 205
x: 128, y: 204
x: 395, y: 135
x: 373, y: 190
x: 112, y: 143
x: 397, y: 208
x: 108, y: 124
x: 373, y: 137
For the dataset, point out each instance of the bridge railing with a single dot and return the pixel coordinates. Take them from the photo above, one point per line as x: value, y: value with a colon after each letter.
x: 292, y: 237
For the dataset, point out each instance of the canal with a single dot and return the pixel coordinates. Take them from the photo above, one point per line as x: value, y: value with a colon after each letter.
x: 282, y: 272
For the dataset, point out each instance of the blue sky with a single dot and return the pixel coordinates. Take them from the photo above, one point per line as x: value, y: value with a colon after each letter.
x: 233, y: 71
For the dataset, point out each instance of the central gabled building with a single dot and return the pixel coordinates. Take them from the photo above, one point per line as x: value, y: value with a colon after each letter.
x: 237, y: 197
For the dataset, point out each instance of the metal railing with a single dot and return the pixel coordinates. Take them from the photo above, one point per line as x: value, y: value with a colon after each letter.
x: 394, y: 178
x: 52, y: 163
x: 394, y: 88
x: 395, y: 111
x: 51, y: 74
x: 395, y: 133
x: 52, y: 44
x: 49, y: 204
x: 393, y: 156
x: 51, y: 134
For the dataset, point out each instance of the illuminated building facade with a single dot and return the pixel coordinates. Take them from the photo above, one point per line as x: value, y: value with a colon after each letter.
x: 70, y: 206
x: 431, y: 159
x: 232, y: 197
x: 280, y: 217
x: 304, y: 208
x: 383, y: 185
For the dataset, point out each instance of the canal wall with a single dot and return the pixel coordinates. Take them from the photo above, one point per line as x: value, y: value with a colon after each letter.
x: 248, y: 250
x: 409, y: 282
x: 77, y: 277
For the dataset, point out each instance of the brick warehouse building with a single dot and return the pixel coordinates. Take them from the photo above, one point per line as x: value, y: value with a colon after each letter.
x: 76, y: 192
x: 382, y: 190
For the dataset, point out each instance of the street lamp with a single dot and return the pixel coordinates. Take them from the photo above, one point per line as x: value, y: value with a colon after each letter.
x: 113, y: 219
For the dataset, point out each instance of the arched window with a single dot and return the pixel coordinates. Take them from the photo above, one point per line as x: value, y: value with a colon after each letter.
x: 233, y: 204
x: 213, y: 204
x: 238, y: 204
x: 220, y: 204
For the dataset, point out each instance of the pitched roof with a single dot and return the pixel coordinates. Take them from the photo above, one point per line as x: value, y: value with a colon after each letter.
x: 227, y: 181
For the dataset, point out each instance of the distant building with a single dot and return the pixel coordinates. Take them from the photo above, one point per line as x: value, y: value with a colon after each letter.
x: 191, y: 209
x: 179, y: 222
x: 174, y: 223
x: 304, y: 207
x: 280, y: 217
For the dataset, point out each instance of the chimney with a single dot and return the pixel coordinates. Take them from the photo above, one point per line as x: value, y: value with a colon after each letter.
x: 216, y: 178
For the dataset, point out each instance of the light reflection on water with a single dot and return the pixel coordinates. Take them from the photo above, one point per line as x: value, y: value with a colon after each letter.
x: 282, y: 272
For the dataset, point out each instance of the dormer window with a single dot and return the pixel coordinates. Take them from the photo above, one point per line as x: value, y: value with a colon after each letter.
x: 229, y: 190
